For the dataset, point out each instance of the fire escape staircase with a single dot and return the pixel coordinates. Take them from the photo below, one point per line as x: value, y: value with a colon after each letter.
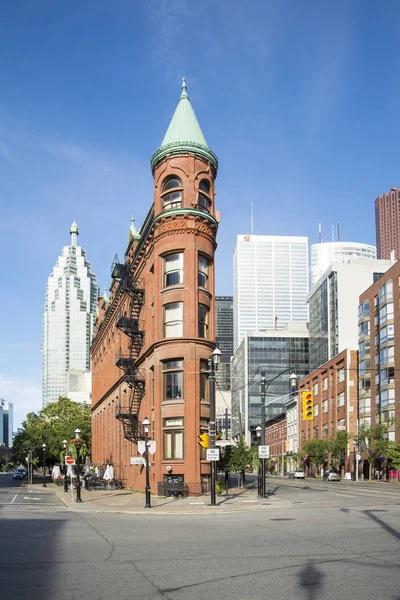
x: 132, y: 327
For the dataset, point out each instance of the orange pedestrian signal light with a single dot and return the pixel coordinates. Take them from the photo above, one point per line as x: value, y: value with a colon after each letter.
x: 307, y: 401
x: 203, y: 440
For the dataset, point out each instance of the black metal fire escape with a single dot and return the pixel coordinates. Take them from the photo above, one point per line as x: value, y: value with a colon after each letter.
x: 130, y: 325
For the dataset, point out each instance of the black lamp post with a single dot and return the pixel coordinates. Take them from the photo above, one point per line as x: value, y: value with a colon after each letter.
x: 78, y: 479
x: 264, y: 388
x: 213, y: 363
x: 44, y: 464
x: 65, y: 468
x: 146, y: 424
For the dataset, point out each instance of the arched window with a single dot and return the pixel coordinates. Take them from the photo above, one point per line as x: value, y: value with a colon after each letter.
x: 204, y: 201
x: 172, y: 193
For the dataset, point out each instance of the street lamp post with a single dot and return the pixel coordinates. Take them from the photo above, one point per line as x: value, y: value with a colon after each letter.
x: 65, y: 468
x: 146, y: 424
x: 213, y: 363
x: 356, y: 459
x: 78, y: 478
x: 264, y: 388
x: 44, y: 464
x: 258, y: 434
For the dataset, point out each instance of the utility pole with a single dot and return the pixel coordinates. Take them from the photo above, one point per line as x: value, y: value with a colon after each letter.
x: 263, y: 382
x: 226, y: 424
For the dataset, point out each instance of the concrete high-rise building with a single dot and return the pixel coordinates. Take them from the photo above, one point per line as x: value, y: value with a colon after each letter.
x: 333, y: 305
x: 326, y: 253
x: 278, y: 354
x: 70, y: 308
x: 6, y: 422
x: 270, y: 283
x: 387, y: 223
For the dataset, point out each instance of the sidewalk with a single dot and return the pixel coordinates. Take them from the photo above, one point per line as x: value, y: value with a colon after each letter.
x: 127, y: 502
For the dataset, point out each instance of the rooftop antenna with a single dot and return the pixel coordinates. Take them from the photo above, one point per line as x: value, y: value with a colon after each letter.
x: 338, y: 232
x: 319, y: 232
x: 251, y: 219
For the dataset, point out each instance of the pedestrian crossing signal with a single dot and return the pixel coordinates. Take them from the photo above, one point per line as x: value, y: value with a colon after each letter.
x: 307, y: 405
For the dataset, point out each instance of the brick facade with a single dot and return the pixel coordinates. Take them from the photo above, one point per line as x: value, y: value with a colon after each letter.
x: 176, y: 417
x: 335, y: 392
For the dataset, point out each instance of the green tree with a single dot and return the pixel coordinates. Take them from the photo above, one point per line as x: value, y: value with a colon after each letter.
x: 317, y: 451
x: 239, y: 458
x: 338, y: 447
x: 373, y: 443
x: 394, y: 454
x: 54, y: 423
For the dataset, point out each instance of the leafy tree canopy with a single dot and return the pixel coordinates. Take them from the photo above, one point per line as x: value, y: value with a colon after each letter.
x: 53, y: 424
x: 316, y: 450
x: 240, y: 457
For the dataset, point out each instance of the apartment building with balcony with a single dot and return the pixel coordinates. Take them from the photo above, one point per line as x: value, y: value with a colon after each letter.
x: 379, y: 353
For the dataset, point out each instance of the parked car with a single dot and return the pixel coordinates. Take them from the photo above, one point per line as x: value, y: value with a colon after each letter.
x: 331, y: 475
x: 296, y: 474
x: 18, y: 475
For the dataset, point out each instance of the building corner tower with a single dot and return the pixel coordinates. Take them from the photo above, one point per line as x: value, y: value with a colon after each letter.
x: 170, y: 280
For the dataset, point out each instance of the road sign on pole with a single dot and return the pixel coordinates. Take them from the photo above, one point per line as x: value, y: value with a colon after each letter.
x: 263, y: 451
x: 69, y: 460
x: 213, y: 454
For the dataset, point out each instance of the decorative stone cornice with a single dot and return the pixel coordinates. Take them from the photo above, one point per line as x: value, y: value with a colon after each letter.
x: 182, y: 148
x: 185, y: 223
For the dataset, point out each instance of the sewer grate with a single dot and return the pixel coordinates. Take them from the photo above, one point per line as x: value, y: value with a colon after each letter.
x: 282, y: 519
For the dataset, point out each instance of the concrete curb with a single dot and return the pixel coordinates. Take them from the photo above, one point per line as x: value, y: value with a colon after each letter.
x: 205, y: 509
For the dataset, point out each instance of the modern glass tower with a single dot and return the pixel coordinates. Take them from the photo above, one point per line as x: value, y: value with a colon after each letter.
x: 6, y: 422
x: 70, y: 306
x: 270, y: 283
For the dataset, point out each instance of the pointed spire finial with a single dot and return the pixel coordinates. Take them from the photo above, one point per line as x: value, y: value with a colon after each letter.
x: 184, y: 88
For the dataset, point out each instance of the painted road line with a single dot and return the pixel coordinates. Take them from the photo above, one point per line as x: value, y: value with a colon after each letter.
x: 30, y: 498
x: 196, y: 502
x: 13, y: 500
x: 249, y: 501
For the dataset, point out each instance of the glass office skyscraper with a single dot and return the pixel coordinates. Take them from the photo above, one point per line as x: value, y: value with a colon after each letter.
x: 70, y: 306
x: 270, y: 283
x: 278, y: 354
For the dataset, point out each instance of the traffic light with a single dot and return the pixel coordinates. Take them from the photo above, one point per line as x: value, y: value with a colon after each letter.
x: 307, y: 405
x: 203, y: 440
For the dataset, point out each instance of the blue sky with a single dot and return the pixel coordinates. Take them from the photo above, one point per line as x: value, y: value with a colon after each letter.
x: 298, y: 99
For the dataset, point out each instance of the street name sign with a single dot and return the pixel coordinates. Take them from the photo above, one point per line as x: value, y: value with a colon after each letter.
x: 263, y: 451
x: 69, y: 460
x: 212, y: 454
x: 137, y: 460
x: 223, y: 443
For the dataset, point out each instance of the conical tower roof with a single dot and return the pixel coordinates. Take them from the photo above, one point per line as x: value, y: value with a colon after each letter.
x: 184, y: 134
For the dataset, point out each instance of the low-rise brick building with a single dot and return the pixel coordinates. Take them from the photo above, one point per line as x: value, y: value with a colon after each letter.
x: 335, y: 394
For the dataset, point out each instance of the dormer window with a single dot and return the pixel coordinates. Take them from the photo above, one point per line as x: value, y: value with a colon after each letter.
x: 204, y: 201
x: 172, y: 194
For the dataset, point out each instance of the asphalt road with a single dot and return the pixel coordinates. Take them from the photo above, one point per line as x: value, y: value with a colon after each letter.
x: 14, y: 492
x: 308, y: 552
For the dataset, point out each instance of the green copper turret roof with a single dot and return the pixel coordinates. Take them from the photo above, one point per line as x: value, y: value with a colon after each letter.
x: 184, y: 134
